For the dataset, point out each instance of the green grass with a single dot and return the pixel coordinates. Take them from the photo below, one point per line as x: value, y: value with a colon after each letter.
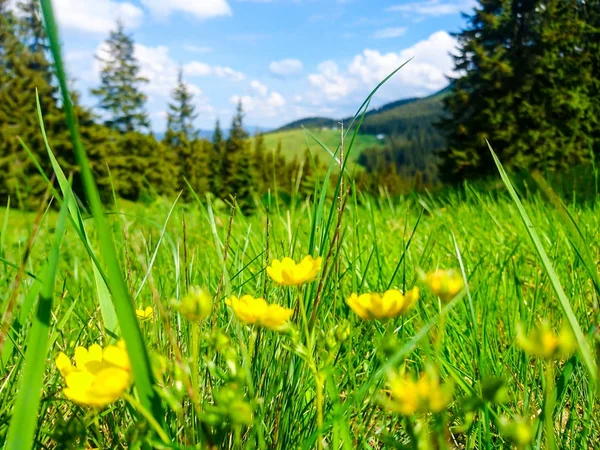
x: 218, y: 383
x: 507, y: 285
x: 295, y: 142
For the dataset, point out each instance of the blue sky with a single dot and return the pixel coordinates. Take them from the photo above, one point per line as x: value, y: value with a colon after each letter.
x: 286, y: 59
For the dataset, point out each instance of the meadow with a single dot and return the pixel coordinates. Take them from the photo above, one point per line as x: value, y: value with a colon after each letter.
x: 461, y: 319
x: 314, y: 384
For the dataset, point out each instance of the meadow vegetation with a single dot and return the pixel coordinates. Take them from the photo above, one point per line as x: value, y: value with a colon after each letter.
x: 312, y: 314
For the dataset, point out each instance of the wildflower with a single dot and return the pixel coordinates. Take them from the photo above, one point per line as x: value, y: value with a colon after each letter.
x: 145, y: 313
x: 519, y: 431
x: 257, y: 311
x: 195, y: 305
x: 410, y: 396
x: 99, y: 377
x: 445, y: 283
x: 376, y: 306
x: 286, y: 272
x: 543, y: 343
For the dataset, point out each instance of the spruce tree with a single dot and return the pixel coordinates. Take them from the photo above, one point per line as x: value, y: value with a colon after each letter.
x: 24, y: 68
x: 525, y: 87
x: 180, y: 136
x: 215, y: 161
x: 239, y: 170
x: 120, y: 90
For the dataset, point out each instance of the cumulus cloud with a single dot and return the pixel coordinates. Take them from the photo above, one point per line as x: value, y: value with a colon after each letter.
x: 263, y: 103
x: 331, y: 81
x: 98, y: 16
x: 387, y: 33
x: 286, y: 67
x: 260, y: 88
x: 201, y: 69
x: 425, y: 73
x: 434, y: 7
x: 202, y: 9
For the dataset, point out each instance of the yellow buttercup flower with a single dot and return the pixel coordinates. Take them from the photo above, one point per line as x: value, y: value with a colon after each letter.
x: 377, y: 306
x: 445, y: 283
x: 195, y: 305
x: 256, y: 311
x: 425, y: 395
x: 286, y: 272
x: 543, y: 343
x: 99, y: 377
x: 145, y: 313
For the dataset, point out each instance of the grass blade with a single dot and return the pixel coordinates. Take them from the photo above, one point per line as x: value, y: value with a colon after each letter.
x: 584, y: 348
x: 136, y: 347
x: 109, y: 315
x: 24, y: 420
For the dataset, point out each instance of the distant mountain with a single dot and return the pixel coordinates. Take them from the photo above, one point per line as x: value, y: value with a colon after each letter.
x: 392, y: 118
x: 309, y: 122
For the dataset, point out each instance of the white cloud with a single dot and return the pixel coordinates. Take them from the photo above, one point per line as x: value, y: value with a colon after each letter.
x: 197, y: 48
x: 286, y: 67
x: 263, y: 104
x: 201, y: 69
x: 434, y: 7
x: 259, y: 87
x: 425, y: 73
x: 98, y: 16
x: 202, y: 9
x: 330, y: 81
x: 386, y: 33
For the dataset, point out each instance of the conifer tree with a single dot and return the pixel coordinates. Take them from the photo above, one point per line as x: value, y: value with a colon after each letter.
x: 120, y: 90
x: 181, y: 133
x: 525, y: 87
x: 181, y: 115
x: 239, y: 170
x: 24, y: 68
x: 215, y: 161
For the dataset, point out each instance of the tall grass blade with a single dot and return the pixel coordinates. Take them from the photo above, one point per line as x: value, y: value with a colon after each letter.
x: 138, y: 353
x: 109, y: 315
x: 584, y: 348
x: 21, y: 432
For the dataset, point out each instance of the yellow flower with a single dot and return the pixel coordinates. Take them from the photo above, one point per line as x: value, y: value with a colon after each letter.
x: 445, y: 283
x: 257, y: 311
x: 376, y: 306
x: 288, y: 273
x: 99, y: 377
x: 195, y: 305
x: 145, y: 313
x: 543, y: 343
x: 425, y: 395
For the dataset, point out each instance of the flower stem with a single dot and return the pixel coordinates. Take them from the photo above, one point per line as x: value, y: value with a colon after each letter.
x: 549, y: 406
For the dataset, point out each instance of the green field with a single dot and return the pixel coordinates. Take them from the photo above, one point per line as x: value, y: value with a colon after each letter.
x: 295, y: 142
x: 224, y: 384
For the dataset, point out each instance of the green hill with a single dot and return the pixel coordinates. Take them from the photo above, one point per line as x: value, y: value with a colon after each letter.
x: 294, y: 142
x: 403, y: 124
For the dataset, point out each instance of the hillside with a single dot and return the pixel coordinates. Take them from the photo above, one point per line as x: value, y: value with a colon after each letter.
x: 295, y: 141
x: 406, y: 124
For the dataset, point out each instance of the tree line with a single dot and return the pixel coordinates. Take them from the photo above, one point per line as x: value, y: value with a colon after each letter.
x: 124, y: 155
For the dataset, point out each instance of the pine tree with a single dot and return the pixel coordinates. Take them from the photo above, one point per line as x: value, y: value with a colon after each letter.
x: 215, y: 161
x: 24, y: 68
x: 181, y: 115
x: 525, y: 88
x: 239, y: 170
x: 262, y: 168
x: 120, y: 91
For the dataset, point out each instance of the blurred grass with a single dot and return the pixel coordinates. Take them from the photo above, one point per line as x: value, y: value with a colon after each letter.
x: 507, y: 286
